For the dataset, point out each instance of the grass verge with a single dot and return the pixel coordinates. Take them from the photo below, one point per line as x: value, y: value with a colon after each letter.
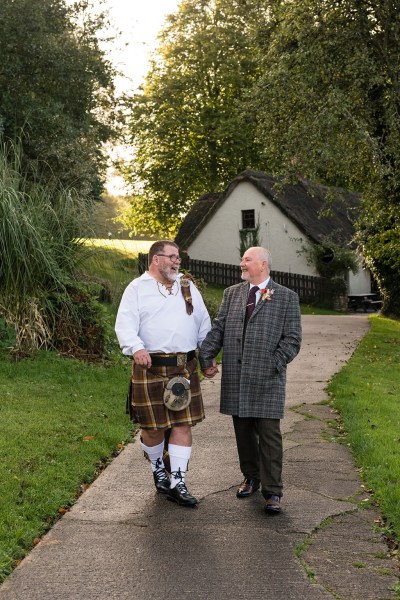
x: 60, y: 422
x: 366, y: 392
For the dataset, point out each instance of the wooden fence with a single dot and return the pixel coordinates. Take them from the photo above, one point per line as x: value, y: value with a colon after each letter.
x: 311, y: 290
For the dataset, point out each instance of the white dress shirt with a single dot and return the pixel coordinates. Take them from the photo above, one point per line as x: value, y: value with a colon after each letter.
x: 151, y: 318
x: 260, y: 287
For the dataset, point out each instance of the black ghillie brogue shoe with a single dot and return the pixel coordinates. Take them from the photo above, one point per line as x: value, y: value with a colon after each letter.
x: 161, y: 479
x: 181, y: 495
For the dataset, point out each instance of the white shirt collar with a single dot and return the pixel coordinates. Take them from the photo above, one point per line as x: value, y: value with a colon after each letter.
x: 261, y: 285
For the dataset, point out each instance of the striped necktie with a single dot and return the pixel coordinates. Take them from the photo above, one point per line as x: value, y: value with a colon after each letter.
x: 251, y: 300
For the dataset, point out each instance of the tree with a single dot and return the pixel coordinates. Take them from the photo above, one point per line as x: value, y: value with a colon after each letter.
x: 184, y: 122
x: 327, y: 107
x: 56, y: 90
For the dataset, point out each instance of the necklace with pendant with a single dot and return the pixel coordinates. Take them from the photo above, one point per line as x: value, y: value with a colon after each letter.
x: 168, y: 288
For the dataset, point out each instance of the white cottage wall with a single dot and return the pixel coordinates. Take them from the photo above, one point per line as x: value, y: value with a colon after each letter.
x: 219, y: 240
x: 360, y: 283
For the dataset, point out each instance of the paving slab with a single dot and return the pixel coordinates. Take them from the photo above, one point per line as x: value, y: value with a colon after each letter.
x: 121, y: 540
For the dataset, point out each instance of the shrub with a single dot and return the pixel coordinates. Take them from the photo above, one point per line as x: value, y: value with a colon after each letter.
x: 40, y: 251
x: 78, y: 323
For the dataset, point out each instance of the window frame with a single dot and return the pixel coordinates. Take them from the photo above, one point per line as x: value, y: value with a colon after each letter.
x: 246, y: 218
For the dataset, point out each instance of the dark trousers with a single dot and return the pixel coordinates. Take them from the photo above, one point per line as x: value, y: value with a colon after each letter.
x: 260, y: 449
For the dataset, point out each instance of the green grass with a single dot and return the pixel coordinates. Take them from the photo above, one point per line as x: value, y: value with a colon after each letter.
x: 114, y: 260
x: 366, y: 392
x: 115, y: 266
x: 213, y: 292
x: 129, y: 247
x: 60, y: 421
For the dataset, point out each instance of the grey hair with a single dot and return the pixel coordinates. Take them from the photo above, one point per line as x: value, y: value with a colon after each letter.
x: 265, y: 254
x: 159, y: 247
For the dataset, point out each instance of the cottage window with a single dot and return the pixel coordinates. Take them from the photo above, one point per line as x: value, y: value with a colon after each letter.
x: 248, y: 219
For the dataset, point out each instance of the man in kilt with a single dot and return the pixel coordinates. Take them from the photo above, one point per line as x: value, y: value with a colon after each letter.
x: 161, y: 321
x: 259, y: 327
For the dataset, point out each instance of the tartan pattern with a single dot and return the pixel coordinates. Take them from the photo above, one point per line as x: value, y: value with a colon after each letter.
x: 147, y: 391
x: 254, y: 361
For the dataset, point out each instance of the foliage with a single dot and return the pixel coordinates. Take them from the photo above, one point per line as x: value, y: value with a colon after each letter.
x: 327, y: 107
x: 379, y: 234
x: 307, y: 88
x: 184, y: 123
x: 366, y: 393
x: 330, y: 260
x: 249, y: 238
x: 56, y: 86
x: 114, y: 261
x: 40, y: 250
x: 77, y: 324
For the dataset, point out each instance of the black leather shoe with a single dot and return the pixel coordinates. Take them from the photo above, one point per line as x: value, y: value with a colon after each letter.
x: 161, y: 480
x: 247, y: 487
x: 181, y: 495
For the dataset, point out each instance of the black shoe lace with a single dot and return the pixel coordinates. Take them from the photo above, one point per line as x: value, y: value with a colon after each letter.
x: 159, y: 471
x: 181, y: 487
x: 178, y: 475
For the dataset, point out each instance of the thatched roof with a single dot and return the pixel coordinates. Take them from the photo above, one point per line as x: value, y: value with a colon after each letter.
x: 302, y: 203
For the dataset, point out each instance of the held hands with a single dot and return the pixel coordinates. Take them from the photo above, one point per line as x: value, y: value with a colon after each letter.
x: 210, y: 372
x: 142, y: 358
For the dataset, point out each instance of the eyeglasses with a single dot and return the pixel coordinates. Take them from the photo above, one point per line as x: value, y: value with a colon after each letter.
x: 173, y: 257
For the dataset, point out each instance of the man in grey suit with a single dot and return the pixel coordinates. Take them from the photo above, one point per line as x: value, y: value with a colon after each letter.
x: 259, y: 327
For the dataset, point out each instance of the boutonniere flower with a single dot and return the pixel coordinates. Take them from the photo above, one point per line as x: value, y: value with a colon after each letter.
x: 266, y: 294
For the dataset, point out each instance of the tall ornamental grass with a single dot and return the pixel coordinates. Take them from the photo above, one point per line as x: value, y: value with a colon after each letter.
x: 40, y: 247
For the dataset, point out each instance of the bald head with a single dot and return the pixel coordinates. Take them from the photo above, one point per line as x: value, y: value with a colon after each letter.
x: 256, y: 265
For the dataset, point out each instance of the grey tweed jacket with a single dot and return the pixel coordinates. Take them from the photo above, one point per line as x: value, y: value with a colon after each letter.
x: 254, y: 366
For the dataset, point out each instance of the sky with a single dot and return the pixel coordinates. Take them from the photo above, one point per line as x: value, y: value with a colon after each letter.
x: 139, y: 21
x: 135, y: 23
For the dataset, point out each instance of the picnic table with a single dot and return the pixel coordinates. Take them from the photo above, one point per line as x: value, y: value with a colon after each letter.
x: 364, y: 301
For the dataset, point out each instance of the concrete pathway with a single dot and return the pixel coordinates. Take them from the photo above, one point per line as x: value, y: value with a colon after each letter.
x: 123, y: 541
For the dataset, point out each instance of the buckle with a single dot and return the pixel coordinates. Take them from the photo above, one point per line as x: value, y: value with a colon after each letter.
x: 181, y: 359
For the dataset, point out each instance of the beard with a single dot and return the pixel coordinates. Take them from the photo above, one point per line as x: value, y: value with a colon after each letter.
x: 168, y: 274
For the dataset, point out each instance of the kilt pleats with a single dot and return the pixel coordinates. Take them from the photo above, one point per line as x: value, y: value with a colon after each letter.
x: 147, y: 391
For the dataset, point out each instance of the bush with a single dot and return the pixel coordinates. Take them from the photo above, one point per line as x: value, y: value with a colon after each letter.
x: 79, y: 329
x: 332, y: 261
x: 41, y: 230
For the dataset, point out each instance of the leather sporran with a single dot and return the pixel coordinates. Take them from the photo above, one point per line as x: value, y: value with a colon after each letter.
x: 177, y: 394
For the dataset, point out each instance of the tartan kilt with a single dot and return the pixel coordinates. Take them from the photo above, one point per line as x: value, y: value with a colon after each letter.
x: 145, y: 403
